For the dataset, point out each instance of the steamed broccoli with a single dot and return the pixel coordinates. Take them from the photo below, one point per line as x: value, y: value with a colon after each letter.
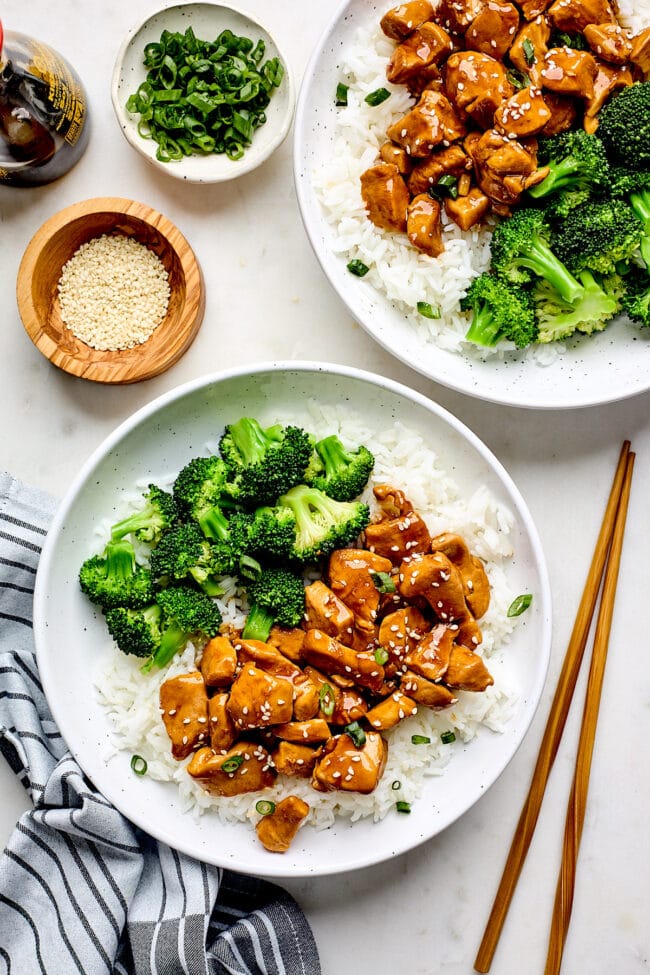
x: 597, y: 236
x: 578, y: 167
x: 147, y: 524
x: 501, y: 311
x: 264, y: 463
x: 162, y: 630
x: 272, y: 532
x: 202, y: 492
x: 276, y: 596
x: 182, y: 553
x: 114, y: 579
x: 339, y: 472
x: 136, y: 631
x: 557, y: 319
x: 322, y: 523
x: 636, y: 300
x: 521, y: 251
x: 624, y: 125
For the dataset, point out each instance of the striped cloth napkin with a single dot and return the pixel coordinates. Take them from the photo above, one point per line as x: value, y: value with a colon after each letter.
x: 81, y: 889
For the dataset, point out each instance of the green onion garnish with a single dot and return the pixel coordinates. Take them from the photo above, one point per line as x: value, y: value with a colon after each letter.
x: 383, y: 582
x: 420, y: 740
x: 403, y: 807
x: 358, y: 268
x: 377, y: 97
x: 529, y: 52
x: 249, y: 567
x: 265, y: 807
x: 447, y: 737
x: 520, y: 604
x: 326, y: 699
x: 449, y: 183
x: 201, y: 97
x: 341, y: 94
x: 139, y: 765
x: 427, y: 310
x: 395, y: 785
x: 232, y: 764
x: 356, y: 733
x: 381, y: 655
x: 518, y: 79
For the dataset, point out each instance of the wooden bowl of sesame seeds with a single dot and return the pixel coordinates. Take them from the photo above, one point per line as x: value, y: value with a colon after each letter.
x: 110, y: 290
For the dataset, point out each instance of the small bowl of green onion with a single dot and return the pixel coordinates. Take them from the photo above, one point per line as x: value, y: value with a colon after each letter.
x: 202, y: 91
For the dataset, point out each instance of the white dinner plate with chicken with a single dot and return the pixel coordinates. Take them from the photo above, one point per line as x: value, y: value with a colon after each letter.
x: 403, y: 174
x: 283, y: 738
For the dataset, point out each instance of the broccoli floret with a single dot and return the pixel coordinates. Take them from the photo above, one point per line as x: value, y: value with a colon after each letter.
x: 636, y: 300
x: 624, y: 125
x: 640, y: 203
x: 598, y: 236
x: 556, y: 319
x: 276, y: 596
x: 521, y: 251
x: 322, y: 523
x: 272, y: 532
x: 114, y: 579
x: 147, y: 524
x: 203, y: 493
x: 184, y: 553
x: 578, y: 167
x: 500, y: 311
x: 339, y: 472
x: 625, y: 181
x: 187, y: 614
x: 136, y: 631
x: 264, y: 463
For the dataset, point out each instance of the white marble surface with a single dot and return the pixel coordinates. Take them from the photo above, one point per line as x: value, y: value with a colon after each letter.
x: 267, y: 299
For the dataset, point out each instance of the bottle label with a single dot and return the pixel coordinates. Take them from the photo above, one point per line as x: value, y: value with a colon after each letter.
x: 64, y: 91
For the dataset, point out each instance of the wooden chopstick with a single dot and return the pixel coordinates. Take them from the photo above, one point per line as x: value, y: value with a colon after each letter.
x: 554, y: 725
x: 575, y: 816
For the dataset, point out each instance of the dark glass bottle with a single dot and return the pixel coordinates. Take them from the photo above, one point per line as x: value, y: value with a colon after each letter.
x: 43, y: 112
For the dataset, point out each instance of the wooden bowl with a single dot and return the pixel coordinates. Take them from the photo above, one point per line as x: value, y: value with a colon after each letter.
x: 56, y: 242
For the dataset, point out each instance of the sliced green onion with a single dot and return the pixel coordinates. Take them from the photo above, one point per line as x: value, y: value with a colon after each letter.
x: 395, y: 785
x: 447, y: 737
x: 529, y: 52
x: 520, y: 604
x: 358, y: 268
x: 232, y: 764
x: 518, y: 79
x: 427, y: 310
x: 383, y: 582
x: 249, y: 567
x: 403, y: 807
x: 265, y: 807
x: 139, y: 765
x: 381, y: 655
x: 356, y: 733
x: 377, y: 96
x: 420, y: 740
x: 449, y: 183
x: 326, y: 699
x: 341, y: 94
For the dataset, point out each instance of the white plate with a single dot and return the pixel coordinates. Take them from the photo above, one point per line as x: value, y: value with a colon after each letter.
x: 207, y: 21
x: 71, y: 639
x: 604, y: 368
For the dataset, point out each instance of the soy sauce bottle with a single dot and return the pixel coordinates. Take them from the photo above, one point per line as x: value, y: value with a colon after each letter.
x: 43, y: 112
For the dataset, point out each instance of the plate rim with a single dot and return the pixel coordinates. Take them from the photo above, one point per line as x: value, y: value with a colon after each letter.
x: 275, y: 868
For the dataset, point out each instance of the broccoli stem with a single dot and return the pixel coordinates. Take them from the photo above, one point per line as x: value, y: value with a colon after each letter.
x: 120, y: 560
x: 258, y: 624
x: 640, y: 203
x: 483, y: 329
x: 214, y: 524
x: 173, y: 639
x: 561, y: 174
x: 333, y: 454
x: 251, y: 440
x: 538, y: 257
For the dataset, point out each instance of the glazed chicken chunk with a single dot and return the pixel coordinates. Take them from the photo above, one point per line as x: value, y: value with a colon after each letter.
x: 400, y: 21
x: 385, y: 196
x: 243, y: 768
x: 184, y: 708
x: 349, y: 768
x: 277, y: 830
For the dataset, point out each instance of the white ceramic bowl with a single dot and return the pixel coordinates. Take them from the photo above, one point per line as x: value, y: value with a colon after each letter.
x: 207, y: 21
x: 72, y: 643
x: 596, y: 369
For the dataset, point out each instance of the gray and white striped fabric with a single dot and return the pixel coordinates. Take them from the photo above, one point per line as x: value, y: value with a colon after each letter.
x: 81, y: 889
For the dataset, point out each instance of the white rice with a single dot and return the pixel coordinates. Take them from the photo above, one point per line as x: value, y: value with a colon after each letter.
x: 406, y: 461
x: 397, y: 270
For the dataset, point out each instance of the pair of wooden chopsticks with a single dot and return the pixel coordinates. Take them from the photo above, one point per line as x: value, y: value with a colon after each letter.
x: 605, y: 562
